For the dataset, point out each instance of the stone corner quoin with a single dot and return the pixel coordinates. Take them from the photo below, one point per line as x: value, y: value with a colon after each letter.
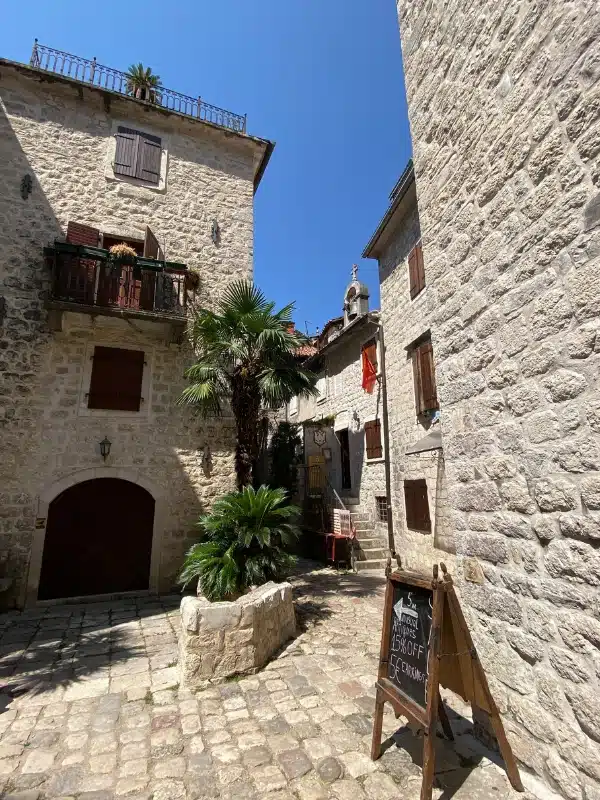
x: 505, y: 121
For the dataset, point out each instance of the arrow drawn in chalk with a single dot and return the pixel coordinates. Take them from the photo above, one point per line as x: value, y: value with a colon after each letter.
x: 400, y: 609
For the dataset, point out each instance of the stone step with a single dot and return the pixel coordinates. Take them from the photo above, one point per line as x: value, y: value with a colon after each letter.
x: 371, y: 553
x: 379, y: 566
x: 362, y: 527
x: 359, y: 516
x: 369, y: 542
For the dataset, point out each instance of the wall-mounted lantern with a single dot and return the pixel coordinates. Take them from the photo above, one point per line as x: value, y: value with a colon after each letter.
x: 105, y: 446
x: 206, y: 456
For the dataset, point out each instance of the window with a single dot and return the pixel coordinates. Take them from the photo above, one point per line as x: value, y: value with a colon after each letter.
x: 336, y: 385
x: 417, y: 505
x: 416, y: 270
x: 137, y: 155
x: 322, y: 388
x: 382, y: 509
x: 424, y: 376
x: 370, y: 351
x: 373, y: 439
x: 294, y: 405
x: 116, y: 382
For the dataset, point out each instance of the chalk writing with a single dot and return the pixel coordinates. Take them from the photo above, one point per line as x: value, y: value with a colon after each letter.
x: 409, y: 641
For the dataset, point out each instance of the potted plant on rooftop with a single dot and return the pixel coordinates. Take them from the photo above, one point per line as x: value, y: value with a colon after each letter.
x: 143, y: 84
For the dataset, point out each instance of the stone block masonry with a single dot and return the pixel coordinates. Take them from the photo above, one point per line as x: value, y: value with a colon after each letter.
x: 60, y: 134
x: 505, y: 120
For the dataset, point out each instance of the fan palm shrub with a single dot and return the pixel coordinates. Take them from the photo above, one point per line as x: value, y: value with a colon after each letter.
x: 245, y: 541
x: 142, y: 83
x: 245, y: 357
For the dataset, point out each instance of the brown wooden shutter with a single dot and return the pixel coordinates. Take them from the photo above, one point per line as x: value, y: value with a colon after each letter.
x: 370, y: 348
x: 116, y: 382
x: 373, y: 439
x: 151, y: 245
x: 82, y: 234
x: 420, y: 269
x: 427, y: 372
x: 412, y: 272
x: 126, y: 153
x: 424, y: 377
x: 148, y: 165
x: 416, y: 504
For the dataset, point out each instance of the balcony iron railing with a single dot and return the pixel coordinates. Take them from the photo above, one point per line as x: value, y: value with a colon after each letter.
x: 86, y: 71
x: 101, y: 283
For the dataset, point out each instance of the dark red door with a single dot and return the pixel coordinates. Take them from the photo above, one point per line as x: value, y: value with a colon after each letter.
x: 98, y: 540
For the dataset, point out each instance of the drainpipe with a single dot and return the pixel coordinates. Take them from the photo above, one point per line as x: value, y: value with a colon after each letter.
x: 386, y: 444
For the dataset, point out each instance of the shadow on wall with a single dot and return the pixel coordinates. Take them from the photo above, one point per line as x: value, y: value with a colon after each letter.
x: 443, y: 535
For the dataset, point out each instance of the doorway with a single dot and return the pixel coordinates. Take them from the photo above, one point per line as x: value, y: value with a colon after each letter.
x: 98, y: 540
x: 344, y: 441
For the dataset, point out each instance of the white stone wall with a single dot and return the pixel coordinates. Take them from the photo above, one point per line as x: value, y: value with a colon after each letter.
x: 503, y: 103
x: 60, y: 136
x: 343, y: 368
x: 404, y: 320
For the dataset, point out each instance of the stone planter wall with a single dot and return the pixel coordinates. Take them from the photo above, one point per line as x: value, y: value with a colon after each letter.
x: 229, y: 638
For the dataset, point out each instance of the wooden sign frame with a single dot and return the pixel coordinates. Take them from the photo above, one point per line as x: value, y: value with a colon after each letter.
x: 452, y: 663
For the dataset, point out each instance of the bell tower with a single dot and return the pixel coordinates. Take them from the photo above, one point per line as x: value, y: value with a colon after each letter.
x: 356, y: 298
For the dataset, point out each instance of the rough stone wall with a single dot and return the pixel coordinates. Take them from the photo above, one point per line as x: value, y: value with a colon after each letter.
x: 59, y: 135
x: 404, y: 320
x: 345, y: 397
x: 504, y: 111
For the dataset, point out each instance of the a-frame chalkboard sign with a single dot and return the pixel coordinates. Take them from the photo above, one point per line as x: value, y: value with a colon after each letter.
x: 426, y: 644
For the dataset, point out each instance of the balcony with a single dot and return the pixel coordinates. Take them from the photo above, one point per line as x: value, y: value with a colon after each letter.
x: 89, y: 280
x: 90, y: 72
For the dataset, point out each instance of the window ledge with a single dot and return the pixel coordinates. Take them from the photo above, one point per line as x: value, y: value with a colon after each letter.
x: 379, y: 460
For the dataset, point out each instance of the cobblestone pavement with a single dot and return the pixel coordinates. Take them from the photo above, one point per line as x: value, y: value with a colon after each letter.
x: 91, y: 709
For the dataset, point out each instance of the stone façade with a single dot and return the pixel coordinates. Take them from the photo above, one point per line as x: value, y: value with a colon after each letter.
x: 503, y: 106
x: 60, y: 133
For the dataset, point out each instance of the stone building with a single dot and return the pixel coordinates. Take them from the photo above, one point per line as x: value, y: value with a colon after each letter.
x: 504, y: 113
x: 422, y: 530
x: 343, y: 426
x: 101, y: 475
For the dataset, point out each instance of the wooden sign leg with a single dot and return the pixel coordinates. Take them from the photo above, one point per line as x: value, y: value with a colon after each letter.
x: 377, y: 727
x: 433, y: 694
x: 507, y: 754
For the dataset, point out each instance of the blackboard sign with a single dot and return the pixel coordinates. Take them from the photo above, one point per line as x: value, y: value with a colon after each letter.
x: 425, y: 643
x: 409, y: 640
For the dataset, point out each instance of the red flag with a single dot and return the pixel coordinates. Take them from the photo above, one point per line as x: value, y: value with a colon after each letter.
x: 369, y: 374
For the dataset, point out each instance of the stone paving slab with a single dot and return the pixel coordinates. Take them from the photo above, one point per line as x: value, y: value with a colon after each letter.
x: 91, y: 709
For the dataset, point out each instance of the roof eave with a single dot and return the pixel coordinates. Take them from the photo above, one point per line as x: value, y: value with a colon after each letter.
x: 406, y: 181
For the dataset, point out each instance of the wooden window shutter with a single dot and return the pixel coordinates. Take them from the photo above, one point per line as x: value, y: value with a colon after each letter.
x: 82, y: 234
x: 370, y: 348
x: 412, y: 272
x: 420, y: 267
x: 424, y: 377
x: 126, y: 153
x: 150, y: 150
x: 416, y: 503
x: 373, y: 439
x: 116, y: 382
x: 151, y: 245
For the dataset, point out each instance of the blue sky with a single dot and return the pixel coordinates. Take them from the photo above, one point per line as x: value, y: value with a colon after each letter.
x: 322, y: 78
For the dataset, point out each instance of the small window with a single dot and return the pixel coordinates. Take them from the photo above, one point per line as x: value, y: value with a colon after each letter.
x: 336, y: 385
x: 382, y: 509
x: 322, y: 389
x: 294, y: 405
x: 416, y: 271
x: 137, y: 155
x: 373, y: 439
x: 424, y: 377
x: 417, y: 505
x: 370, y: 351
x: 116, y: 382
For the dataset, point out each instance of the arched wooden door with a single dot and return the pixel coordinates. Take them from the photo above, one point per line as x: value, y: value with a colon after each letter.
x: 98, y: 540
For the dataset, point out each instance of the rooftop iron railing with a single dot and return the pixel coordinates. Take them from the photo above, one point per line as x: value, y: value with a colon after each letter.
x: 86, y: 71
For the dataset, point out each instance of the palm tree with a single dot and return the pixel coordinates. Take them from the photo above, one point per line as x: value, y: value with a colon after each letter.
x: 245, y: 541
x: 142, y: 84
x: 246, y: 356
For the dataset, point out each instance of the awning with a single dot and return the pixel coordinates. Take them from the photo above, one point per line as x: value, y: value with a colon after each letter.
x: 432, y: 441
